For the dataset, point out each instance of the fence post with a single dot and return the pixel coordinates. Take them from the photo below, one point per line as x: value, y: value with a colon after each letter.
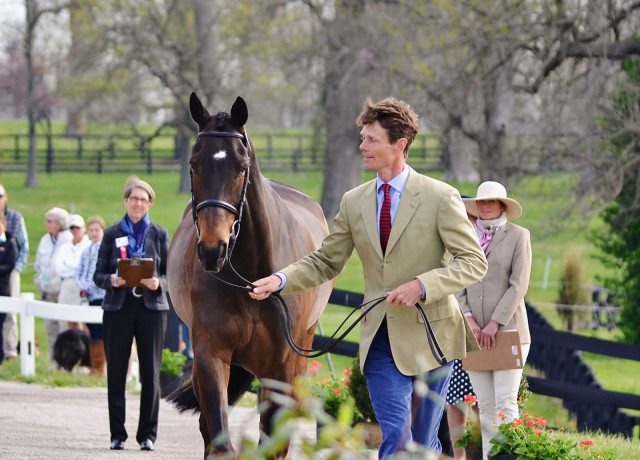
x: 27, y: 338
x: 49, y: 154
x: 16, y: 142
x: 99, y: 161
x: 80, y: 147
x: 149, y: 161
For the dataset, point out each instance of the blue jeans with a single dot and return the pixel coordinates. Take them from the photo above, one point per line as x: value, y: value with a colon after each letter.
x: 391, y: 394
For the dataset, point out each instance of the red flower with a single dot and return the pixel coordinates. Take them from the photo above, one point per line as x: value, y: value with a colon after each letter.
x: 587, y: 442
x: 539, y: 433
x: 470, y: 400
x: 337, y: 391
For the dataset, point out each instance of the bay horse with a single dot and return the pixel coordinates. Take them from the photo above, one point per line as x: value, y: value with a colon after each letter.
x: 238, y: 223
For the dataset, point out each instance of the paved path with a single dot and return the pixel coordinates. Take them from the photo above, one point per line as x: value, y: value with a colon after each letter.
x: 39, y: 422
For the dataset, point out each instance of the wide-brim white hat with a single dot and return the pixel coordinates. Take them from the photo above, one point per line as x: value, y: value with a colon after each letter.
x: 491, y: 190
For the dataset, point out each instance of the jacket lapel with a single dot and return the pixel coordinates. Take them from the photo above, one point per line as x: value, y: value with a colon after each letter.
x: 498, y: 238
x: 407, y: 207
x: 369, y: 216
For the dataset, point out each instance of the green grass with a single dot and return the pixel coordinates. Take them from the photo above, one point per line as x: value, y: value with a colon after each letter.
x: 91, y: 194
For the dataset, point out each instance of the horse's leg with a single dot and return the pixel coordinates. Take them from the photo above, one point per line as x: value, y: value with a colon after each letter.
x: 210, y: 379
x: 293, y: 366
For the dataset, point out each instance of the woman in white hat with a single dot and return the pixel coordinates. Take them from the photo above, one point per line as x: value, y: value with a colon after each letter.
x: 497, y: 301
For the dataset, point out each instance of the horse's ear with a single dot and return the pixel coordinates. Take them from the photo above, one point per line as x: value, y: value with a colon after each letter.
x: 199, y: 114
x: 239, y: 113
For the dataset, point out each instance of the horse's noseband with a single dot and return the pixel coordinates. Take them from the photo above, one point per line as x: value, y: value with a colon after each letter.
x: 236, y: 211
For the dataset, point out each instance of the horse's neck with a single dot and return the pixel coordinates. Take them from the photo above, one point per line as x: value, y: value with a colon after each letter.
x: 256, y: 233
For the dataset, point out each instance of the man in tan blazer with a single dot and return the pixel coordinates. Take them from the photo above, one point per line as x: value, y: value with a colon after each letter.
x: 431, y: 253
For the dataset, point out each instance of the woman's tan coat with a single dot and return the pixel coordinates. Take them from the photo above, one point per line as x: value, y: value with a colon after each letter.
x: 500, y: 294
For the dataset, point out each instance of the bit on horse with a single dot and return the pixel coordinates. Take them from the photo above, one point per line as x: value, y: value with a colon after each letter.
x: 238, y: 222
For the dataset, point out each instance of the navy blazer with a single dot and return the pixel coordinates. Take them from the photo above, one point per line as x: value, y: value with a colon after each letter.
x: 156, y: 247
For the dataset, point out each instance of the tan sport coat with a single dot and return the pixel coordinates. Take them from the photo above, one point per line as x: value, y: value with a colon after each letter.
x: 432, y: 240
x: 500, y: 294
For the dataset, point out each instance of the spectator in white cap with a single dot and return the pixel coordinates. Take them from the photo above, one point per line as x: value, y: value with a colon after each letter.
x: 496, y: 302
x: 66, y: 263
x: 46, y: 277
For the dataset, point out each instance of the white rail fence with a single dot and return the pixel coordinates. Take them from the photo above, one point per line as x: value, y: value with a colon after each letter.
x: 28, y: 308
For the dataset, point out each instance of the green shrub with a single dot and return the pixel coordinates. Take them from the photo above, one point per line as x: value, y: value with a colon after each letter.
x: 172, y: 362
x: 573, y: 291
x: 360, y: 392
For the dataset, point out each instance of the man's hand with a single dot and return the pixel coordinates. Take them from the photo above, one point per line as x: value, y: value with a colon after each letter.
x: 406, y: 295
x: 264, y: 287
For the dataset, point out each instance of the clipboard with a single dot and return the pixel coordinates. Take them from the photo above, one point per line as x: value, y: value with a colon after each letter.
x: 135, y: 269
x: 507, y: 354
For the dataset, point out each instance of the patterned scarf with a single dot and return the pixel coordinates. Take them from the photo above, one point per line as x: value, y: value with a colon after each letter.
x: 137, y: 233
x: 485, y: 229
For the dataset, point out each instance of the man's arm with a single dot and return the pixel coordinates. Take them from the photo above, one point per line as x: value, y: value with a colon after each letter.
x: 468, y: 264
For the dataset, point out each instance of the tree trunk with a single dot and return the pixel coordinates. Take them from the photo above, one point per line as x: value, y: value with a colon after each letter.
x: 495, y: 163
x: 458, y: 153
x: 32, y: 165
x: 208, y: 56
x: 183, y: 151
x: 343, y: 159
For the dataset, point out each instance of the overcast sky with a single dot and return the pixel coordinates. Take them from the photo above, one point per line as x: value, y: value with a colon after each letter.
x: 11, y: 9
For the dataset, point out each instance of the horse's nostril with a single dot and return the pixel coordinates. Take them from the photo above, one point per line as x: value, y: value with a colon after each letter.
x: 212, y: 259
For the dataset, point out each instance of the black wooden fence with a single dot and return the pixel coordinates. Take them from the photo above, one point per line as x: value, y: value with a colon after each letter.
x: 567, y: 376
x: 276, y: 149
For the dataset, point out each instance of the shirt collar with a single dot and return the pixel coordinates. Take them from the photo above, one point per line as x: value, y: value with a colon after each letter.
x: 397, y: 183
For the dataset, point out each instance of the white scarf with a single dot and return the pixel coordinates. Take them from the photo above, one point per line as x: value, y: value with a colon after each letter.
x: 485, y: 229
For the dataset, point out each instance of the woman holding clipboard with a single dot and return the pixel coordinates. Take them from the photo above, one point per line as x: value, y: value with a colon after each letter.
x: 134, y: 312
x: 496, y: 302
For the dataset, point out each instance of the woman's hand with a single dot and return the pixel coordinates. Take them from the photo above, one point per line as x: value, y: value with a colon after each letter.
x: 116, y: 281
x: 150, y: 283
x: 488, y: 337
x: 475, y: 328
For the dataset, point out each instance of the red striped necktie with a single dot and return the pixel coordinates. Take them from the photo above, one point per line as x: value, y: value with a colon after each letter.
x: 385, y: 218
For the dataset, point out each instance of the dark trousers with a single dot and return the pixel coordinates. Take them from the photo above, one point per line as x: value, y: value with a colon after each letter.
x: 2, y: 317
x: 95, y: 329
x: 120, y: 327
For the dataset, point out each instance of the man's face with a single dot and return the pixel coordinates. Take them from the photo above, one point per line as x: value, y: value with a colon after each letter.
x: 3, y: 199
x: 379, y: 154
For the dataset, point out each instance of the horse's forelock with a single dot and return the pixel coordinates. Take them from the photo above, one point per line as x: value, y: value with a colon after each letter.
x: 221, y: 119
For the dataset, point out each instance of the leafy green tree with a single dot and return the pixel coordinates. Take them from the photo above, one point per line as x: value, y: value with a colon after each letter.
x: 620, y: 240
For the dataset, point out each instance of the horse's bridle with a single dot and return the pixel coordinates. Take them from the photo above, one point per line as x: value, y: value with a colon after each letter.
x: 236, y: 211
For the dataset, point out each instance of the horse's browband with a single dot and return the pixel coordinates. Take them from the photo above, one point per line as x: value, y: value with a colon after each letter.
x: 219, y: 134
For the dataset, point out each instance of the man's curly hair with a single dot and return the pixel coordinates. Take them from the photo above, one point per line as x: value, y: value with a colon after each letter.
x: 396, y: 116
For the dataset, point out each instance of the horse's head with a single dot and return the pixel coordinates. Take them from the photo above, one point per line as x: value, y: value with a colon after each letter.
x: 220, y: 162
